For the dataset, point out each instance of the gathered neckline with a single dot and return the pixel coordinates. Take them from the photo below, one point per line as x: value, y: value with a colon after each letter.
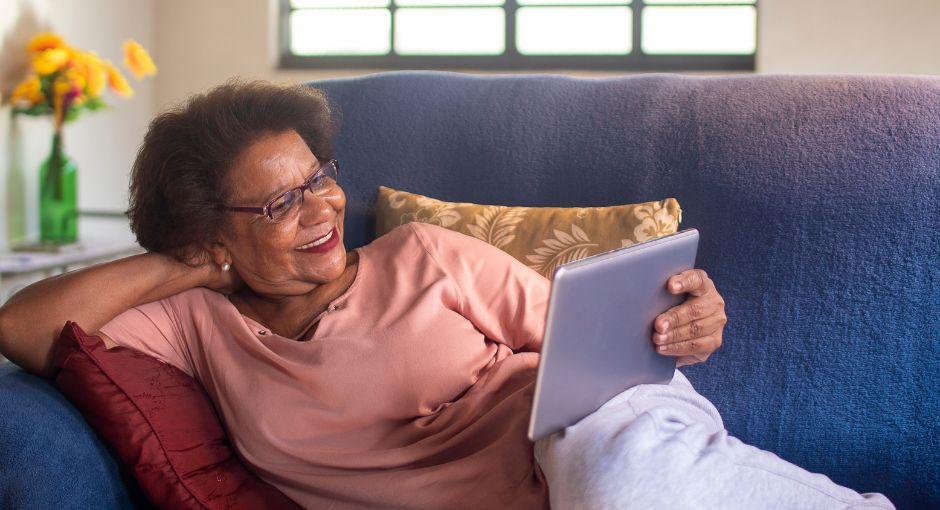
x: 329, y: 306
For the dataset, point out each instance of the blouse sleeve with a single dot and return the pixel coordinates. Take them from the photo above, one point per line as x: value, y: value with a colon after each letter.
x: 503, y: 298
x: 154, y: 329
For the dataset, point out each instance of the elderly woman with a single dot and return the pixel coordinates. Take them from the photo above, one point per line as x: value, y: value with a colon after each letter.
x: 398, y: 374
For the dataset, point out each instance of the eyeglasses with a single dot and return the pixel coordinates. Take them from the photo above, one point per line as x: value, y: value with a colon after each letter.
x: 285, y: 203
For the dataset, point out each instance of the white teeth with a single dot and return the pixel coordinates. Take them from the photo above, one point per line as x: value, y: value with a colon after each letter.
x: 318, y: 242
x: 323, y: 239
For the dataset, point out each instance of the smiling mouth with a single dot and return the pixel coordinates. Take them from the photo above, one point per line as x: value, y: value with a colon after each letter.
x: 317, y: 242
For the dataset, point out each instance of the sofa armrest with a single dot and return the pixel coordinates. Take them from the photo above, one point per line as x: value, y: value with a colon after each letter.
x: 49, y: 455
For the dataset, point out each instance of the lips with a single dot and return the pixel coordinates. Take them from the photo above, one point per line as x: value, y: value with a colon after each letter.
x: 321, y: 244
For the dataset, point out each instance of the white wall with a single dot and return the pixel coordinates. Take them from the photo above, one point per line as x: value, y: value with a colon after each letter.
x: 103, y: 144
x: 200, y: 44
x: 849, y: 36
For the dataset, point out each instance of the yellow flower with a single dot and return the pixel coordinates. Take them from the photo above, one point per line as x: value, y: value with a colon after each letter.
x: 137, y: 60
x: 118, y: 82
x: 93, y: 71
x: 45, y: 41
x: 29, y: 91
x: 50, y: 61
x: 97, y: 77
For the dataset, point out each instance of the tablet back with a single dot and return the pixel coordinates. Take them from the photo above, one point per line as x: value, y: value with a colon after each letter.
x: 598, y: 333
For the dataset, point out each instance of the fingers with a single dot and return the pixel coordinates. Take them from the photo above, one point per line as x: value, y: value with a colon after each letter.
x: 699, y: 348
x: 691, y: 310
x: 691, y: 330
x: 693, y: 281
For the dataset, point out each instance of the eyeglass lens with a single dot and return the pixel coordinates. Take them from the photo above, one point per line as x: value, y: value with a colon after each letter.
x: 320, y: 180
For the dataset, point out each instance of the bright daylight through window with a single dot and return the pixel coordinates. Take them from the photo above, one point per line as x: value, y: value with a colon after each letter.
x: 601, y: 34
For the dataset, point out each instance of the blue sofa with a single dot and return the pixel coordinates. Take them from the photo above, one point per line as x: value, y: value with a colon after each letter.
x: 816, y: 198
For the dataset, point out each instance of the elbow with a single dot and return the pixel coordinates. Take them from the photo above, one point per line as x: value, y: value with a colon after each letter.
x: 4, y: 330
x: 12, y: 346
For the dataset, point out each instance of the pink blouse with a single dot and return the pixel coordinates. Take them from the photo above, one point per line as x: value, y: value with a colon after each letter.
x: 414, y: 391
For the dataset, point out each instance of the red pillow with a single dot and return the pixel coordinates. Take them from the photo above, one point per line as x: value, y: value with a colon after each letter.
x: 161, y: 424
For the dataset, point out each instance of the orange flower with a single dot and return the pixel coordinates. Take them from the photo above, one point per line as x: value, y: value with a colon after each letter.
x: 50, y: 61
x: 45, y: 41
x: 28, y: 92
x: 118, y: 82
x: 137, y: 60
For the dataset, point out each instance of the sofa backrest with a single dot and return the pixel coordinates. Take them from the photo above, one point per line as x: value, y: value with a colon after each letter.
x: 817, y: 202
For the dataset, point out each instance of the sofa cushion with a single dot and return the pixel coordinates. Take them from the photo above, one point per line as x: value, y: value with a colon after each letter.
x: 541, y: 237
x: 160, y: 423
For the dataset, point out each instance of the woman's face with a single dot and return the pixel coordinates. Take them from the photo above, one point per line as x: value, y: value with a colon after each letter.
x: 266, y: 253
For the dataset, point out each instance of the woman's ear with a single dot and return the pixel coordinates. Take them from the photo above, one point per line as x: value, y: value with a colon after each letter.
x: 219, y: 254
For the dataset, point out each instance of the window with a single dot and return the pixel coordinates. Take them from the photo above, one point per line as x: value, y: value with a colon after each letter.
x: 520, y: 34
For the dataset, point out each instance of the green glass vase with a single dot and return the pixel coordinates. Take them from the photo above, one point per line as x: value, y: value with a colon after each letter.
x: 58, y: 197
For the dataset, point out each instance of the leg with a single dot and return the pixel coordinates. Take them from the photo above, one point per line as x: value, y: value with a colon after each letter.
x: 664, y: 446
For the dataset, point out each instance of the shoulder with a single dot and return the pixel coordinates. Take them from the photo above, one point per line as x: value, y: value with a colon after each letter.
x: 197, y: 296
x: 416, y: 240
x: 450, y: 248
x: 192, y: 302
x: 437, y: 238
x: 421, y: 237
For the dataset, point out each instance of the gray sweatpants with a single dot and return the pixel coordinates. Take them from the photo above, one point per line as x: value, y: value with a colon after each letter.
x: 665, y: 446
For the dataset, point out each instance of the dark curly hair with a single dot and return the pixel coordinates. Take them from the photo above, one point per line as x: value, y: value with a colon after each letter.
x: 177, y: 185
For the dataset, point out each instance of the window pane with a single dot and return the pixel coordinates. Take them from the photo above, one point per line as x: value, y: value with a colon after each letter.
x: 574, y: 30
x: 698, y: 30
x: 572, y: 2
x: 340, y: 32
x: 751, y: 2
x: 450, y: 31
x: 448, y: 2
x: 338, y: 3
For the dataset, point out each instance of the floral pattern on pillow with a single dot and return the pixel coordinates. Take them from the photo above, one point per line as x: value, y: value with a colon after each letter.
x: 543, y: 238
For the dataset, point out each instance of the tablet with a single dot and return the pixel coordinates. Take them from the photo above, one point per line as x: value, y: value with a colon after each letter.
x: 599, y: 329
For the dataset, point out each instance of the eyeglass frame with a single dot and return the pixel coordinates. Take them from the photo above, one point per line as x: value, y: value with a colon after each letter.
x: 265, y: 210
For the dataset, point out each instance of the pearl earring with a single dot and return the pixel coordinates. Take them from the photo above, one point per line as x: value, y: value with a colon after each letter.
x: 226, y: 266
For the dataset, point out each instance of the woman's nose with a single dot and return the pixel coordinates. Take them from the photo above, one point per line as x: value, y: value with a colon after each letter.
x: 316, y: 208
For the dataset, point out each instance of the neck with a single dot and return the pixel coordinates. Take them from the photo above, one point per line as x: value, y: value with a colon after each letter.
x: 289, y: 315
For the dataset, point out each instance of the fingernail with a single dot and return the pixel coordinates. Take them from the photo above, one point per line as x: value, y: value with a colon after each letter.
x: 677, y: 286
x: 665, y: 324
x: 663, y: 348
x: 660, y: 339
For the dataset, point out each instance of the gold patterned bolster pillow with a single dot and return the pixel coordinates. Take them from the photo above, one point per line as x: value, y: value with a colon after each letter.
x: 540, y: 237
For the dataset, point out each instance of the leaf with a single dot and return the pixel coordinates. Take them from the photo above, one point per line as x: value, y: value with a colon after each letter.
x: 35, y: 110
x: 95, y: 104
x: 561, y: 250
x: 496, y: 224
x: 563, y: 236
x: 477, y: 231
x: 446, y: 216
x: 579, y: 234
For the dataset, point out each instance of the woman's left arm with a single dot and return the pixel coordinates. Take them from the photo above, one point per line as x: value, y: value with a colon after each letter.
x: 693, y: 330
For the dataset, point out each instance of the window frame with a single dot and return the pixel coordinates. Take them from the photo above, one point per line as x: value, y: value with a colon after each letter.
x: 511, y: 59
